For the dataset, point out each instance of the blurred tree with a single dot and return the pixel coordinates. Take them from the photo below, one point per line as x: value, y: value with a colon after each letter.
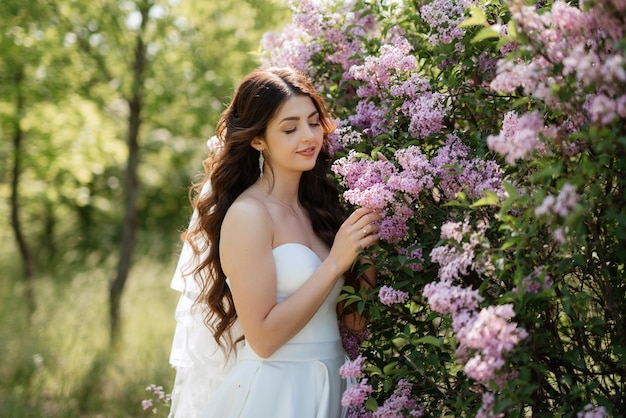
x: 25, y: 44
x: 104, y: 102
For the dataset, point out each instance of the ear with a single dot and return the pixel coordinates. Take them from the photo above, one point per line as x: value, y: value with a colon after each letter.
x: 258, y: 143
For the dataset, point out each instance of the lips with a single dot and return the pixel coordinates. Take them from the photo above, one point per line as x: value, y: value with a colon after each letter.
x: 307, y: 152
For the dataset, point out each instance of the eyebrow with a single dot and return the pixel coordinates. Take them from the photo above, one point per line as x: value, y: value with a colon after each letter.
x: 298, y: 117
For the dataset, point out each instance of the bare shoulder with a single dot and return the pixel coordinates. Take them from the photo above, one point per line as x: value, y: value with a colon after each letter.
x: 247, y: 228
x: 247, y: 210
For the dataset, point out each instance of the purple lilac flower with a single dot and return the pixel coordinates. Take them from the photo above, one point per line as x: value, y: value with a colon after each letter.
x: 446, y: 298
x: 458, y: 172
x: 356, y: 394
x: 352, y: 368
x: 416, y: 254
x: 389, y: 296
x: 561, y: 205
x: 591, y: 411
x: 486, y: 409
x: 400, y: 403
x: 350, y: 341
x: 520, y: 136
x: 444, y: 17
x: 536, y: 282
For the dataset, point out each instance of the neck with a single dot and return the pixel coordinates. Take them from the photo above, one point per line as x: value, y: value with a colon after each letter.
x: 283, y: 190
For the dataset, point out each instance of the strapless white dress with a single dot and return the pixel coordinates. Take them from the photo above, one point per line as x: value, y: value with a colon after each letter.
x: 301, y: 379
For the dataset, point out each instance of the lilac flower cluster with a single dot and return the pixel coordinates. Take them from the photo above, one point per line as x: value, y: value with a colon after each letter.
x: 400, y: 404
x: 380, y: 185
x: 416, y: 256
x: 536, y: 282
x: 388, y: 296
x: 397, y: 405
x: 458, y: 171
x: 486, y: 409
x: 463, y: 251
x: 325, y: 23
x: 352, y: 368
x: 444, y: 17
x: 582, y: 42
x: 392, y: 88
x: 590, y: 411
x: 159, y: 397
x: 520, y: 136
x: 485, y: 335
x: 561, y: 205
x: 350, y: 341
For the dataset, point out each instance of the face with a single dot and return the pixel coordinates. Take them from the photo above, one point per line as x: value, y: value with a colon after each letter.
x: 293, y: 138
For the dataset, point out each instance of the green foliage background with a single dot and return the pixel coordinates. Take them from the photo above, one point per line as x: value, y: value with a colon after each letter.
x: 65, y: 80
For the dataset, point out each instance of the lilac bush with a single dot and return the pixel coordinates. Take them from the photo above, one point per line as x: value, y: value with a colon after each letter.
x: 492, y: 136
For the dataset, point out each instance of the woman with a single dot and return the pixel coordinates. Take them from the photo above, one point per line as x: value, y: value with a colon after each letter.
x: 272, y: 252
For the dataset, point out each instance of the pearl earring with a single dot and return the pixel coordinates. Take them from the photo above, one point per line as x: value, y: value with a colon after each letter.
x: 261, y: 162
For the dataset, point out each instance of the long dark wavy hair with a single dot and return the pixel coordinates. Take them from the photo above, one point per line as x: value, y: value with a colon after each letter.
x: 235, y: 167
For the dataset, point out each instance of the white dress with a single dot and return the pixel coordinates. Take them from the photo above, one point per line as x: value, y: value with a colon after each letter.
x: 301, y: 379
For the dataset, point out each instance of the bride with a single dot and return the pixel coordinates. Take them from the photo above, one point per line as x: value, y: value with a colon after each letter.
x: 265, y: 256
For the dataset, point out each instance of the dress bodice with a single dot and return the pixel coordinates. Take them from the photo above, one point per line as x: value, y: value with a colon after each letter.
x: 295, y: 263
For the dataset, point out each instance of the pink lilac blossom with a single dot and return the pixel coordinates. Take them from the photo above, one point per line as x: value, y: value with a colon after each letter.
x: 485, y: 336
x: 335, y: 27
x: 561, y: 205
x: 417, y: 173
x: 380, y: 72
x: 559, y: 235
x: 359, y: 411
x: 520, y: 136
x: 486, y: 409
x: 573, y: 44
x: 394, y: 226
x: 490, y: 336
x: 400, y: 403
x: 350, y: 341
x: 389, y: 296
x: 591, y: 411
x: 443, y: 17
x: 456, y: 258
x: 415, y: 257
x: 352, y: 368
x: 602, y: 109
x: 457, y: 171
x: 426, y: 114
x: 387, y: 79
x: 373, y: 119
x: 535, y: 282
x: 289, y: 48
x: 346, y: 135
x: 356, y: 394
x: 446, y: 298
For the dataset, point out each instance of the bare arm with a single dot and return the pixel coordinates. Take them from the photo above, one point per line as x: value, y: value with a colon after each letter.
x: 247, y: 259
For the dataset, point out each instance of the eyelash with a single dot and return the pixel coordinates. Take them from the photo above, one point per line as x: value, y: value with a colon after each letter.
x: 290, y: 131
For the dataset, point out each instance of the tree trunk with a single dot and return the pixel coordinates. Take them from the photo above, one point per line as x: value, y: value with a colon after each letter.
x: 129, y: 225
x: 25, y: 254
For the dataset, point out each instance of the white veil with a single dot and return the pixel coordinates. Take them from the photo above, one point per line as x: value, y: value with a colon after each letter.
x: 200, y: 363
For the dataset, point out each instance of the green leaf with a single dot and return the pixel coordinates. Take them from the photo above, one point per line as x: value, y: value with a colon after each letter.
x: 429, y: 339
x: 371, y: 404
x: 477, y: 18
x: 490, y: 200
x: 485, y: 33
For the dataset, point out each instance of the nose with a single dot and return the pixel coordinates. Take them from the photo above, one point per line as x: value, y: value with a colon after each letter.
x: 308, y: 133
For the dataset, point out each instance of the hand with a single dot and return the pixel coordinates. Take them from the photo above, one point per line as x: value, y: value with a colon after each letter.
x: 357, y: 232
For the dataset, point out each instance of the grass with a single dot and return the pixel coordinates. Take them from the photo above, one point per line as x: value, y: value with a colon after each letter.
x: 59, y: 363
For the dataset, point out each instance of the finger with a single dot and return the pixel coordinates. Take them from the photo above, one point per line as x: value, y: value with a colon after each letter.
x: 368, y: 221
x: 359, y: 214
